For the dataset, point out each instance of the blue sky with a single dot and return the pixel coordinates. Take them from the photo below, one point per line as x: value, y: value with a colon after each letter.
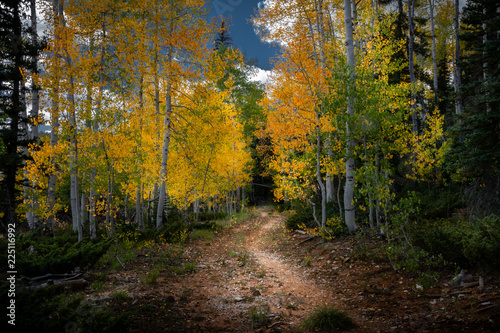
x: 241, y: 29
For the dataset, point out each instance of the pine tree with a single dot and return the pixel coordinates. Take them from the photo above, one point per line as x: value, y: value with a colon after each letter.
x: 222, y: 40
x: 13, y: 122
x: 476, y: 152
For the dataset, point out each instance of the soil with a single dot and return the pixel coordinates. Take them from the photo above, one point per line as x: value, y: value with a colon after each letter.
x: 259, y: 277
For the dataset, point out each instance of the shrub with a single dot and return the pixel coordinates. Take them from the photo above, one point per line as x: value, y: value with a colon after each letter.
x: 302, y: 216
x: 211, y: 216
x: 328, y: 318
x: 440, y: 236
x: 481, y: 243
x: 458, y: 240
x: 51, y: 311
x: 38, y: 255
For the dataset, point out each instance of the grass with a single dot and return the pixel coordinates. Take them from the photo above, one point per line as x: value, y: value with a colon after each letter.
x: 121, y: 295
x: 205, y: 234
x: 328, y: 318
x: 189, y: 267
x: 151, y: 277
x: 244, y: 258
x: 307, y: 261
x: 97, y: 286
x: 259, y: 315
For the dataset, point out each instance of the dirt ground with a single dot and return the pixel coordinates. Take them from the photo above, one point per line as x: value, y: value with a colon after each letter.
x: 259, y: 277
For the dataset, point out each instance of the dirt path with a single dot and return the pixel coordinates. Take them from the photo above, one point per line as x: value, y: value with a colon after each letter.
x: 243, y: 286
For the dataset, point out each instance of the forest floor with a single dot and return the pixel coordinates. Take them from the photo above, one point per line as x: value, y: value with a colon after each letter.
x: 256, y: 276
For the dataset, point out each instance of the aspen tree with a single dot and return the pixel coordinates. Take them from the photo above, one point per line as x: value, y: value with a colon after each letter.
x: 349, y: 164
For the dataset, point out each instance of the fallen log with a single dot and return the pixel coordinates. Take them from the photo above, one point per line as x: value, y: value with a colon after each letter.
x: 486, y: 308
x: 467, y: 285
x: 61, y: 285
x: 50, y: 276
x: 307, y: 240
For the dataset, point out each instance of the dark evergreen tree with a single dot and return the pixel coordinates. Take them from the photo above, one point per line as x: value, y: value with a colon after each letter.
x: 14, y: 50
x: 476, y: 152
x: 223, y: 38
x: 445, y: 103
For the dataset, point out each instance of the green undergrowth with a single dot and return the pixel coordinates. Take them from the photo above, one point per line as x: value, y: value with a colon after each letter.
x: 49, y: 311
x: 38, y: 254
x: 301, y: 217
x: 470, y: 243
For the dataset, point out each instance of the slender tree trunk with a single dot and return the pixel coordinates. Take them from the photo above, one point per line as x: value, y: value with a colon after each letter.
x: 458, y: 72
x: 35, y: 89
x: 330, y: 186
x: 411, y: 24
x: 54, y: 127
x: 165, y: 149
x: 125, y: 210
x: 318, y: 173
x: 370, y: 193
x: 92, y: 212
x: 33, y: 133
x: 138, y: 210
x: 485, y: 63
x: 83, y: 210
x: 75, y: 211
x: 349, y: 164
x: 110, y: 222
x: 74, y: 191
x: 434, y: 54
x: 376, y: 177
x: 148, y: 205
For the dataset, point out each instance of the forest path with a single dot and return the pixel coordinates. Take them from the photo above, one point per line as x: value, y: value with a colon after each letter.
x: 243, y: 285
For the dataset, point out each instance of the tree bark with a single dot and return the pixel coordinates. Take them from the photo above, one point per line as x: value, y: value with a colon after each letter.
x: 74, y: 181
x: 138, y: 210
x: 54, y: 127
x: 318, y: 174
x: 457, y: 72
x: 35, y: 90
x: 330, y: 186
x: 411, y: 28
x: 434, y: 54
x: 165, y: 148
x: 349, y: 164
x: 35, y: 103
x: 92, y: 212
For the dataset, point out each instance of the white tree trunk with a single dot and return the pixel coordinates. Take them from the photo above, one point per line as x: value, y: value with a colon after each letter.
x: 75, y: 211
x: 92, y: 222
x: 54, y: 127
x: 349, y: 164
x: 318, y: 174
x: 165, y: 150
x: 330, y: 186
x: 83, y: 210
x: 138, y: 206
